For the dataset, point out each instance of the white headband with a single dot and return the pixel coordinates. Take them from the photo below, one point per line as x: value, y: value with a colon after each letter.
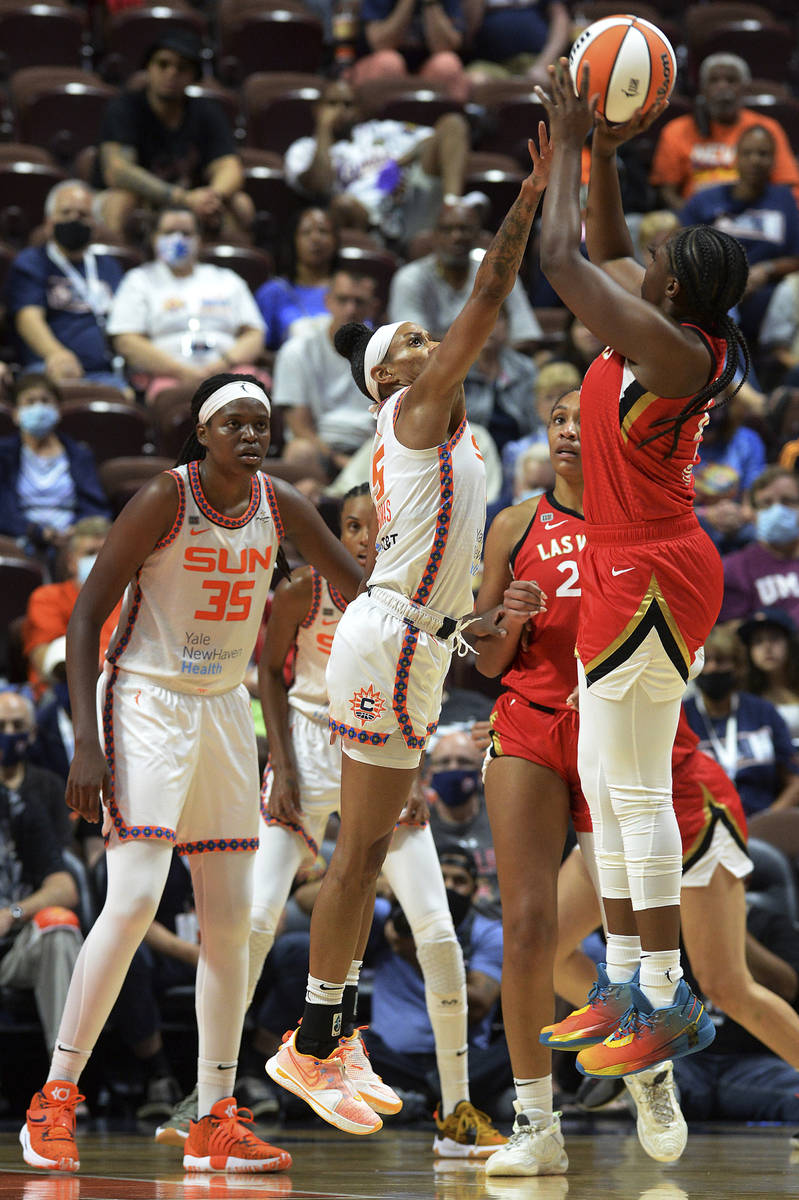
x: 232, y: 391
x: 376, y: 351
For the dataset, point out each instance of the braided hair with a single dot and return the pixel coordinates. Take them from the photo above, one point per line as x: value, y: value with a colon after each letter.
x: 194, y: 451
x: 351, y: 341
x: 711, y: 269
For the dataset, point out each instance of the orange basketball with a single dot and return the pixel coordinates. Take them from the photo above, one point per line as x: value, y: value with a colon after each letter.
x: 632, y: 65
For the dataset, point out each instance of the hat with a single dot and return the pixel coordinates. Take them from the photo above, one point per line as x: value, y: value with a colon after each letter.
x: 180, y: 41
x: 457, y: 855
x: 767, y: 616
x: 54, y: 656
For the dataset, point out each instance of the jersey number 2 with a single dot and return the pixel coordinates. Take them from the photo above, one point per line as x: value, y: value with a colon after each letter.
x: 570, y: 586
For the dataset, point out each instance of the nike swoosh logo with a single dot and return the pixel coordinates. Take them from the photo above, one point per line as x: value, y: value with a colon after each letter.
x: 620, y: 570
x: 226, y: 1066
x: 557, y: 525
x: 197, y: 532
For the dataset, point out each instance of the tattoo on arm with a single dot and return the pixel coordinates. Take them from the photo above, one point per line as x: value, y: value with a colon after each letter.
x: 133, y: 178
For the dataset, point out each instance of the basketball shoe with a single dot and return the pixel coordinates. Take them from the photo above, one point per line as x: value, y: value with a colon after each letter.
x: 646, y: 1036
x: 323, y: 1084
x: 530, y: 1151
x: 607, y: 1003
x: 220, y: 1142
x: 466, y: 1133
x: 661, y: 1126
x: 48, y: 1135
x: 360, y: 1072
x: 175, y: 1129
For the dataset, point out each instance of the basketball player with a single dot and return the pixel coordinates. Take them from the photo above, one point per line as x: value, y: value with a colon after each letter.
x: 393, y: 645
x: 651, y: 579
x: 194, y: 552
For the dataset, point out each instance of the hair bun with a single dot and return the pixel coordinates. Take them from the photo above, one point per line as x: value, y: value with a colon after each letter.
x: 349, y: 337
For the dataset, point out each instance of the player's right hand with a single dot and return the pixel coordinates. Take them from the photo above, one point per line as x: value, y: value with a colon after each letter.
x: 88, y: 776
x: 284, y: 798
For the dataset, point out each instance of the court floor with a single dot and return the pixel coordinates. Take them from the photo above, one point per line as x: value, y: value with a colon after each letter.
x: 605, y: 1164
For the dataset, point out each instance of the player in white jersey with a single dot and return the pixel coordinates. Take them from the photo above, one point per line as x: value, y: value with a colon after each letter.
x: 393, y: 645
x: 195, y: 549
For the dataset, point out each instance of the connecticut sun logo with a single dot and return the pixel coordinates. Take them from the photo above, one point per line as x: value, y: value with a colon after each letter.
x: 367, y: 705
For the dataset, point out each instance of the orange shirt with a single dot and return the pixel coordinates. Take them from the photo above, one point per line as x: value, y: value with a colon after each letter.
x: 49, y: 610
x: 686, y: 160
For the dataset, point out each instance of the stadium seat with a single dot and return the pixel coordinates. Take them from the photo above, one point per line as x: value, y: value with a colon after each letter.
x: 129, y: 34
x: 275, y: 202
x: 772, y: 884
x: 19, y: 575
x: 126, y: 256
x: 171, y: 413
x: 59, y: 109
x: 374, y: 94
x: 122, y: 477
x: 785, y: 110
x: 509, y: 122
x: 279, y: 110
x: 253, y: 265
x: 42, y: 35
x: 85, y: 389
x: 24, y: 152
x: 500, y: 185
x: 763, y: 46
x: 271, y: 39
x: 111, y: 429
x: 699, y: 20
x: 23, y: 191
x: 420, y: 107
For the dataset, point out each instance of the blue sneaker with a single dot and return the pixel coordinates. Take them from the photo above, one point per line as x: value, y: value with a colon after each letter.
x: 646, y: 1036
x: 607, y: 1004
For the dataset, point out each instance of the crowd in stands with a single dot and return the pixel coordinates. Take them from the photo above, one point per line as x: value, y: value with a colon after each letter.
x: 155, y: 261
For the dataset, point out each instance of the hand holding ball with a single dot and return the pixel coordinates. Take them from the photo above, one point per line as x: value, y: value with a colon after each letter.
x: 632, y: 65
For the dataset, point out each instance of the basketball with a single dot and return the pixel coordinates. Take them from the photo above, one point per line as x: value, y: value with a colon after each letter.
x: 632, y: 65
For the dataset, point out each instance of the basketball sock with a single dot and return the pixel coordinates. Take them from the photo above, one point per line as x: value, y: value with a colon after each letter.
x: 215, y: 1081
x: 67, y: 1062
x: 660, y: 975
x: 321, y: 1021
x: 349, y: 1010
x: 623, y: 957
x: 535, y: 1099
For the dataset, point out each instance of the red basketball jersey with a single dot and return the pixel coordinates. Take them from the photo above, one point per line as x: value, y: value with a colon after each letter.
x: 627, y: 482
x: 545, y: 670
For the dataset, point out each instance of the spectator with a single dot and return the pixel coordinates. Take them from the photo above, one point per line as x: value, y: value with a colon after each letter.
x: 39, y: 931
x: 178, y: 320
x: 159, y: 146
x: 432, y: 290
x: 516, y: 39
x: 744, y: 733
x: 772, y: 652
x: 50, y: 606
x: 47, y: 481
x: 762, y: 215
x: 325, y: 414
x: 457, y: 806
x: 500, y: 386
x: 554, y: 380
x: 399, y: 1037
x: 310, y: 253
x: 654, y: 229
x: 779, y: 333
x: 414, y: 37
x: 386, y: 174
x: 720, y: 508
x: 766, y: 572
x: 698, y: 150
x: 59, y: 294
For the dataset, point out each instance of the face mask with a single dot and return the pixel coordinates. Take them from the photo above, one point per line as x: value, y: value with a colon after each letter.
x: 175, y: 248
x: 716, y: 685
x: 455, y: 787
x: 459, y: 905
x: 38, y: 419
x: 84, y: 566
x: 777, y: 525
x: 12, y: 748
x: 73, y: 235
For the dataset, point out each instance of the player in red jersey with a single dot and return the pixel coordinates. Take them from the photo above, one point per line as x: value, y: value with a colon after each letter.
x: 651, y: 579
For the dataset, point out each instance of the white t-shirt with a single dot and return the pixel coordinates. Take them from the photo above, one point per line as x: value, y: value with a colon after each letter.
x: 196, y: 316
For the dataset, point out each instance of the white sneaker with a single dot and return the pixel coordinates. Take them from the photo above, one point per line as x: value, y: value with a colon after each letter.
x: 530, y: 1151
x: 661, y: 1126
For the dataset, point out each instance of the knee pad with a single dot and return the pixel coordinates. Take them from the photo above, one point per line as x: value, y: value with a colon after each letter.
x: 612, y: 867
x: 655, y: 880
x: 440, y: 956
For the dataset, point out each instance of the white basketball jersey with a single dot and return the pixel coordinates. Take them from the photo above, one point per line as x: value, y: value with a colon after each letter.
x: 190, y: 617
x: 308, y: 692
x: 431, y: 507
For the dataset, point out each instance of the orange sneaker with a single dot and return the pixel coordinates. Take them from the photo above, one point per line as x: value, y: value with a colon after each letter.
x: 378, y: 1095
x: 219, y: 1142
x: 323, y: 1084
x: 48, y: 1135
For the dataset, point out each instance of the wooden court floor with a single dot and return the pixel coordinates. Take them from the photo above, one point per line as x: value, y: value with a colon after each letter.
x: 605, y: 1164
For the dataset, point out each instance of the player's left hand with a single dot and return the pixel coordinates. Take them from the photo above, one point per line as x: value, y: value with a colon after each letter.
x: 542, y: 157
x: 571, y: 115
x: 607, y: 138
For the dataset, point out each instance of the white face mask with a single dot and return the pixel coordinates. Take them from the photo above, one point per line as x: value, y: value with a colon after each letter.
x: 83, y: 567
x: 176, y: 248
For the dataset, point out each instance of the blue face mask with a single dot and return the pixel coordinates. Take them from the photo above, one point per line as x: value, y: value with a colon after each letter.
x: 84, y: 566
x: 176, y: 248
x: 777, y: 525
x: 455, y: 787
x: 38, y: 419
x: 12, y: 748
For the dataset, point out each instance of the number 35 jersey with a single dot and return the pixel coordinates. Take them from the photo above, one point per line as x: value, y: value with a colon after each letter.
x: 191, y: 615
x: 544, y: 670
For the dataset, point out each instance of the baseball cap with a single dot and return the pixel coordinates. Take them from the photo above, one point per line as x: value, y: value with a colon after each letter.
x: 180, y: 41
x: 767, y: 616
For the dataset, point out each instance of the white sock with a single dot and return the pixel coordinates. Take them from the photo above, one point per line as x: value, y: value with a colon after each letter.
x: 354, y: 973
x: 535, y: 1098
x: 215, y: 1081
x: 321, y: 991
x: 623, y: 957
x: 67, y: 1062
x: 660, y: 974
